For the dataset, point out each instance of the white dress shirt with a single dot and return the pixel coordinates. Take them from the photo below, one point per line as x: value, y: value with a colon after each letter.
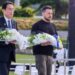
x: 6, y: 19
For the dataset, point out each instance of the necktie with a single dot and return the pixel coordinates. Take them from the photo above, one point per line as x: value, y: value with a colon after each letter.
x: 9, y: 24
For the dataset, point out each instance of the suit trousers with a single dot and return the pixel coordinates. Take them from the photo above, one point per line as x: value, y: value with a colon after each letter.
x: 43, y: 64
x: 4, y: 68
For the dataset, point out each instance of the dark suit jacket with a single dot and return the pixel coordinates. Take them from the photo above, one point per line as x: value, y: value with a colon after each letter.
x: 7, y: 52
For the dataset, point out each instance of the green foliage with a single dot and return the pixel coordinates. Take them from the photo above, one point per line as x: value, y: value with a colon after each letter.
x: 28, y: 12
x: 24, y: 12
x: 60, y: 6
x: 30, y: 39
x: 3, y: 34
x: 65, y: 7
x: 49, y: 2
x: 18, y: 12
x: 25, y: 3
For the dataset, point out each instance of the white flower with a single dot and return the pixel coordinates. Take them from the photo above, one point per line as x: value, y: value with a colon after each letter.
x: 13, y: 34
x: 42, y: 38
x: 24, y: 42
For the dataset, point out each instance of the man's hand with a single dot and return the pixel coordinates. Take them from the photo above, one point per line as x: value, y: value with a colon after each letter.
x: 46, y: 43
x: 13, y: 42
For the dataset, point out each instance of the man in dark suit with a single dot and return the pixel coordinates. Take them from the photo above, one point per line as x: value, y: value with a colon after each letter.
x: 7, y: 50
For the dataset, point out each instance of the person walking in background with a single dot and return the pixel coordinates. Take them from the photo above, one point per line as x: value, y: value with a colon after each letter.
x: 44, y: 51
x: 7, y: 50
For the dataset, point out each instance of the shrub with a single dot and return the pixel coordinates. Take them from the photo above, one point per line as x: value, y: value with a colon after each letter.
x: 18, y: 12
x: 24, y: 12
x: 61, y: 24
x: 27, y: 23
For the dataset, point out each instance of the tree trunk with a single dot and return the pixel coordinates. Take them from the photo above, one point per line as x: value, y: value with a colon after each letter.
x: 58, y: 9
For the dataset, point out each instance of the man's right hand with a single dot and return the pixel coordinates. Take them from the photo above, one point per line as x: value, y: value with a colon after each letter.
x: 13, y: 42
x: 46, y: 43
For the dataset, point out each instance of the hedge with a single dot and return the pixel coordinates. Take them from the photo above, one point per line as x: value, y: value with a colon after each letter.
x: 26, y: 23
x: 24, y: 12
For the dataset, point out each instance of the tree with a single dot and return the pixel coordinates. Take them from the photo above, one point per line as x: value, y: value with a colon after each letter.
x: 2, y: 1
x: 58, y: 8
x: 25, y: 3
x: 61, y: 8
x: 59, y: 5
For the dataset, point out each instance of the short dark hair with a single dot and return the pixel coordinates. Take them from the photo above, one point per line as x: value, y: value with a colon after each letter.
x: 46, y: 7
x: 4, y: 6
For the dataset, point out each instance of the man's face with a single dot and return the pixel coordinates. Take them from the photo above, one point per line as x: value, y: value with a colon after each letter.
x: 9, y: 11
x: 48, y: 14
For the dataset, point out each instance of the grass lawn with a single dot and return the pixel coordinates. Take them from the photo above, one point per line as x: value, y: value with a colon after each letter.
x: 12, y: 73
x: 24, y: 58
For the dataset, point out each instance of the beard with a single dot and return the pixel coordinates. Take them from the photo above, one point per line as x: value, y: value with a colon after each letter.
x: 47, y: 19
